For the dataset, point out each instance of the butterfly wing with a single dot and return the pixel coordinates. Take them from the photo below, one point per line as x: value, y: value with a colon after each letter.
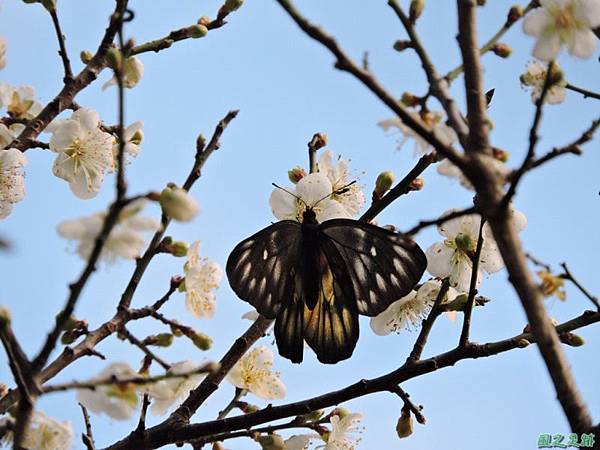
x: 260, y: 268
x: 383, y: 266
x: 331, y: 326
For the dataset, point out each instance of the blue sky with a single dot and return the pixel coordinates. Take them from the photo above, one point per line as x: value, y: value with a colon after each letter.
x: 286, y: 89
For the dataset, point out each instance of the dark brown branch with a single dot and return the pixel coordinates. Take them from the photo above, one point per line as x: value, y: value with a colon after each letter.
x: 573, y: 148
x: 344, y: 63
x: 64, y: 56
x: 476, y: 100
x: 585, y: 92
x: 569, y: 276
x: 163, y: 435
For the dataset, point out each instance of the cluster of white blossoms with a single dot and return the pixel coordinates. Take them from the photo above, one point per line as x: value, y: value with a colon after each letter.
x: 120, y: 400
x: 316, y: 189
x: 453, y: 257
x: 125, y: 239
x: 408, y: 312
x: 86, y: 152
x: 253, y: 373
x: 202, y: 277
x: 12, y: 183
x: 432, y: 120
x: 20, y: 102
x: 43, y: 433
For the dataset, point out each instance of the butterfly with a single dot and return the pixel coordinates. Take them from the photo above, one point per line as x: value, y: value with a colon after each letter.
x: 315, y: 279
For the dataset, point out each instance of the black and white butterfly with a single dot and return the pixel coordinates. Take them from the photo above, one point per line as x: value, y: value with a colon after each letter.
x: 315, y: 279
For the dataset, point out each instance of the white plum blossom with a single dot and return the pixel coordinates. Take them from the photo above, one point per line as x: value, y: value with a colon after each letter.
x: 43, y: 433
x: 408, y: 312
x: 12, y: 182
x: 133, y: 71
x: 453, y: 257
x: 563, y: 22
x: 352, y: 199
x: 125, y: 239
x: 19, y: 101
x: 448, y: 169
x: 253, y: 373
x: 433, y: 120
x: 345, y: 431
x: 535, y: 77
x: 311, y: 191
x: 178, y: 204
x: 85, y: 152
x: 2, y: 53
x: 168, y: 391
x: 116, y: 400
x: 133, y: 136
x: 202, y: 277
x: 8, y: 134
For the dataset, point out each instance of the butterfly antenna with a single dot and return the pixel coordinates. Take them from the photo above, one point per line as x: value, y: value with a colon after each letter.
x: 339, y: 191
x: 291, y: 193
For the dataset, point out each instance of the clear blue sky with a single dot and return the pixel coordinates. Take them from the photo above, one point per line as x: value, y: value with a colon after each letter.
x: 286, y: 88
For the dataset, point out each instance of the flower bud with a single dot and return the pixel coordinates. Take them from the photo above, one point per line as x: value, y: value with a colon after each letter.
x: 232, y: 5
x: 86, y: 56
x: 159, y: 340
x: 574, y: 340
x: 415, y: 10
x: 217, y: 446
x: 4, y: 317
x: 523, y: 343
x: 318, y: 141
x: 202, y: 341
x: 204, y: 20
x: 179, y: 249
x: 311, y: 416
x: 401, y: 45
x: 176, y: 331
x: 197, y: 31
x: 178, y: 204
x: 514, y: 14
x: 417, y: 184
x: 296, y: 174
x: 247, y: 408
x: 114, y: 58
x: 409, y: 99
x: 502, y: 50
x: 404, y: 427
x: 271, y: 442
x: 383, y: 183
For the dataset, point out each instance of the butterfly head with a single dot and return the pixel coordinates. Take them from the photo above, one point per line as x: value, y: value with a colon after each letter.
x: 309, y: 216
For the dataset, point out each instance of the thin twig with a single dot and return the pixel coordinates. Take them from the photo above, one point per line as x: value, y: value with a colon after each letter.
x: 137, y: 380
x: 569, y: 276
x: 538, y: 262
x: 64, y: 56
x: 416, y: 410
x: 533, y: 137
x: 427, y: 324
x: 135, y: 341
x: 585, y: 92
x: 441, y: 220
x: 475, y: 261
x: 239, y: 393
x: 142, y: 422
x: 87, y: 437
x: 403, y: 187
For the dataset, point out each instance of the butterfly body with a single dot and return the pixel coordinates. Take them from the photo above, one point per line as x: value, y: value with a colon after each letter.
x: 315, y: 279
